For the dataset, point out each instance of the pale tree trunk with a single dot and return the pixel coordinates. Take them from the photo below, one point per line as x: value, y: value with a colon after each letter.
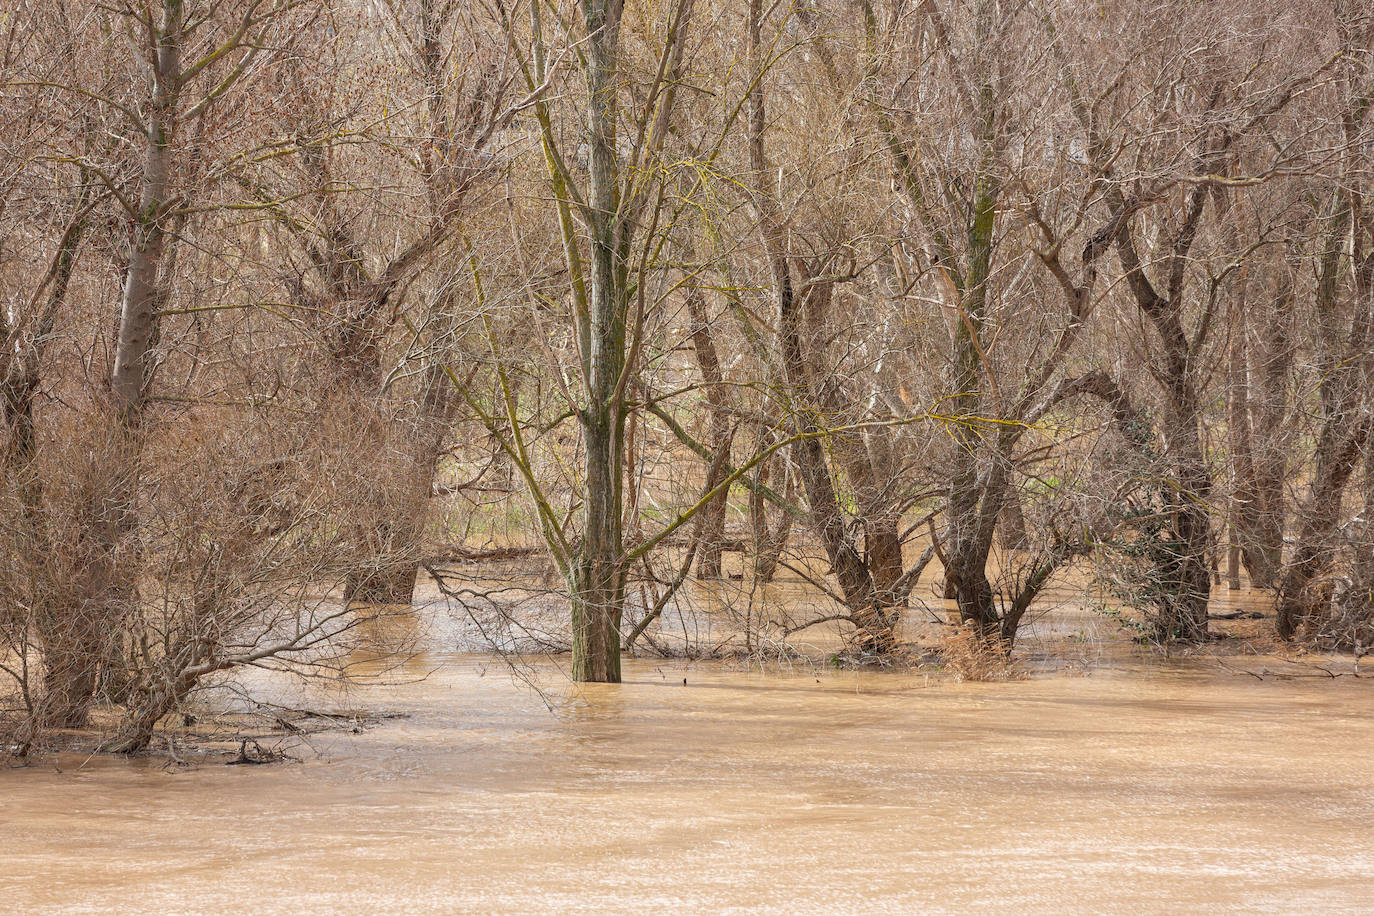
x: 22, y: 367
x: 768, y: 541
x: 1264, y: 514
x: 1242, y: 467
x: 1259, y: 370
x: 79, y: 644
x: 1363, y: 576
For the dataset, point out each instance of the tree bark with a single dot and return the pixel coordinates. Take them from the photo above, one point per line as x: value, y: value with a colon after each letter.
x: 876, y: 622
x: 1347, y: 369
x: 708, y: 362
x: 76, y: 647
x: 598, y: 599
x: 769, y: 542
x: 1184, y: 581
x: 1264, y: 514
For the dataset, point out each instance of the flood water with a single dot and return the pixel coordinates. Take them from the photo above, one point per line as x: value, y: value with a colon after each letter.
x: 1149, y: 787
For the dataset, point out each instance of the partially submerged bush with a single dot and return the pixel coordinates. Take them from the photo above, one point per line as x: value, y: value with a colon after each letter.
x: 233, y: 556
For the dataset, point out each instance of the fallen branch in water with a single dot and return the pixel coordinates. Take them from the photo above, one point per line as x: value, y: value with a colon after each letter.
x: 456, y: 553
x: 1313, y: 671
x: 259, y: 755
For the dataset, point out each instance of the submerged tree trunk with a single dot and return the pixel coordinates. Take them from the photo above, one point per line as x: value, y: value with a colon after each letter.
x: 975, y: 499
x: 600, y: 568
x: 598, y: 587
x: 1188, y: 576
x: 392, y: 536
x: 873, y: 613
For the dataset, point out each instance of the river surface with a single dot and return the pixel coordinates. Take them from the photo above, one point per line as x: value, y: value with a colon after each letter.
x: 1145, y: 786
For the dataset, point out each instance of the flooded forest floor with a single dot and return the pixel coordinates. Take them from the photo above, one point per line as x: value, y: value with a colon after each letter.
x: 1100, y: 776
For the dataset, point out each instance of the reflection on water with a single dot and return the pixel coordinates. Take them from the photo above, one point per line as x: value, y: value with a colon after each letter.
x: 1132, y: 788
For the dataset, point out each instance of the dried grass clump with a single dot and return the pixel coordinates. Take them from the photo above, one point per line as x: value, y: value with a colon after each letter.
x: 973, y: 656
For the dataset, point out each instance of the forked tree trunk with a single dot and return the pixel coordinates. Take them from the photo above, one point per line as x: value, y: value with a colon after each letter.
x: 872, y: 613
x: 1346, y: 367
x: 875, y: 619
x: 1182, y: 573
x: 973, y: 504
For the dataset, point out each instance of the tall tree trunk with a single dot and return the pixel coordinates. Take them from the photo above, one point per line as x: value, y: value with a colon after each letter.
x: 708, y: 362
x: 598, y: 586
x: 1183, y: 574
x: 973, y: 506
x: 76, y: 648
x: 1346, y: 368
x: 1258, y: 438
x: 1243, y: 505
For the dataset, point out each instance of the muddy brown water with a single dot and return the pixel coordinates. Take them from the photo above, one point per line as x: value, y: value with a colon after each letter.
x: 1136, y: 785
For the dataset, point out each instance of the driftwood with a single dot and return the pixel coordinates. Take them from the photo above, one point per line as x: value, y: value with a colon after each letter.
x: 456, y: 553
